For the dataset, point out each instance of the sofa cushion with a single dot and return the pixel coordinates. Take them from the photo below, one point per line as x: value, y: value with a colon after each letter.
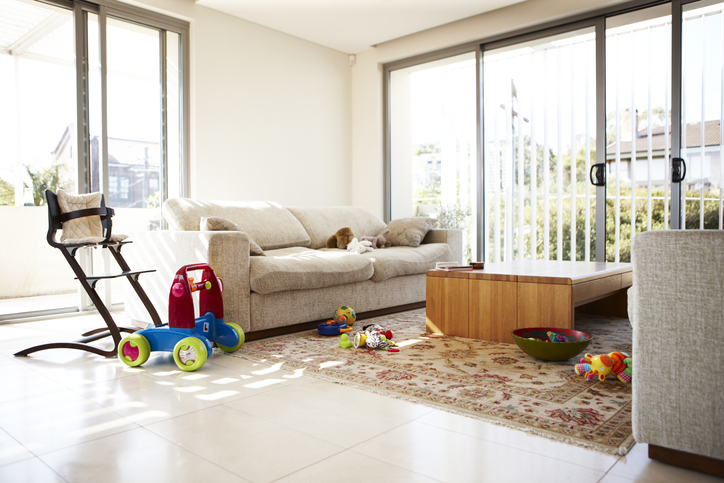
x: 217, y: 223
x: 397, y: 261
x: 267, y: 223
x: 408, y: 232
x: 323, y: 222
x: 299, y: 268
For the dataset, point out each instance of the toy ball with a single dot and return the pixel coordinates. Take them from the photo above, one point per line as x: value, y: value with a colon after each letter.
x: 347, y: 312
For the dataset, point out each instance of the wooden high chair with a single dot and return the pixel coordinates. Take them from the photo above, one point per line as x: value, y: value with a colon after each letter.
x: 69, y: 247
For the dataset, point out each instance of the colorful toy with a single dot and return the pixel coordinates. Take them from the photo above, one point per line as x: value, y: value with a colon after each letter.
x: 347, y: 312
x: 555, y: 337
x: 187, y: 338
x: 378, y: 329
x: 344, y: 342
x: 370, y: 338
x: 334, y: 327
x: 602, y: 365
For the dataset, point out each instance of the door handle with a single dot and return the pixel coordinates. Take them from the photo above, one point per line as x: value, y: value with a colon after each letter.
x: 676, y: 174
x: 600, y: 174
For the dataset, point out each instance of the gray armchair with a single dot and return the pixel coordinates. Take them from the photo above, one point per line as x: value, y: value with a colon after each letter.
x: 676, y: 308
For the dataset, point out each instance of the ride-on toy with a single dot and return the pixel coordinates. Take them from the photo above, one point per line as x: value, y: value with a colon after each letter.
x: 187, y: 338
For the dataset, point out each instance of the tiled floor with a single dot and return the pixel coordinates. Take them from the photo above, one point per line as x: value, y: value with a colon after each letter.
x: 72, y: 416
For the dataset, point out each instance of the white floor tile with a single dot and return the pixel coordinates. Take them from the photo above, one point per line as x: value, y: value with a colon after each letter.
x: 11, y: 451
x: 455, y: 458
x: 20, y: 382
x: 520, y: 439
x: 342, y: 424
x: 637, y: 466
x: 57, y: 420
x: 351, y: 467
x: 251, y: 447
x: 32, y: 470
x: 138, y: 456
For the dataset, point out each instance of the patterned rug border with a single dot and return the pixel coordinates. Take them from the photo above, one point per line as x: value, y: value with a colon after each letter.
x: 621, y: 450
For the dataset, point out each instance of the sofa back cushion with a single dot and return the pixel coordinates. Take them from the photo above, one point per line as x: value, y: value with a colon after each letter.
x: 321, y: 222
x: 267, y: 223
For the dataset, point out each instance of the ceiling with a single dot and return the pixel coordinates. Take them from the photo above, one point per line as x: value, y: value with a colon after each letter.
x: 353, y: 26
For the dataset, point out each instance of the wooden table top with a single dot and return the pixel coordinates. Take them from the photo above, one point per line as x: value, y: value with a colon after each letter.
x: 539, y: 271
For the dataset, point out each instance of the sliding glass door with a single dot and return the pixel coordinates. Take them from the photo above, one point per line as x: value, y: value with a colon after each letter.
x: 702, y: 105
x: 98, y: 104
x: 638, y: 127
x: 433, y: 142
x: 539, y: 145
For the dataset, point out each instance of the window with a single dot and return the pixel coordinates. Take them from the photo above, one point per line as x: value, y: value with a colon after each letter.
x: 584, y: 131
x: 97, y: 103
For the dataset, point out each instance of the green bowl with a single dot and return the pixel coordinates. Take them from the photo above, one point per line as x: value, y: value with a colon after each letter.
x: 534, y: 342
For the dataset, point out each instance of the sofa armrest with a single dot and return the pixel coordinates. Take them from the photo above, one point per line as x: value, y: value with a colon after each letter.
x: 453, y: 237
x: 227, y: 252
x: 677, y: 312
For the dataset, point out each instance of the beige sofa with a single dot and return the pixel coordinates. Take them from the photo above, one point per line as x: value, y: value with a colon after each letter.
x: 298, y: 279
x: 676, y: 308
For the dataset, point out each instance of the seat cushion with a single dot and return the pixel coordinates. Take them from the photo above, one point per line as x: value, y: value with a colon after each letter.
x: 299, y: 268
x: 267, y: 223
x: 397, y: 261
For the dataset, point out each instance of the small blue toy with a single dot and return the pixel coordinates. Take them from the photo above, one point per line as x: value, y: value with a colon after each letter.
x: 334, y: 327
x: 187, y: 338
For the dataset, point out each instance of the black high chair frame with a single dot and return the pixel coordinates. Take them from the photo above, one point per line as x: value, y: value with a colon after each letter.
x: 88, y: 282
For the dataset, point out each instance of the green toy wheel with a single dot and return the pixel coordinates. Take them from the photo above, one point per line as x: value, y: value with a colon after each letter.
x: 190, y: 353
x: 239, y: 332
x: 134, y: 350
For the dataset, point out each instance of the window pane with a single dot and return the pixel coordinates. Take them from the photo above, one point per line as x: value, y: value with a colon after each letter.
x: 638, y: 126
x: 38, y: 139
x: 173, y: 116
x: 701, y: 128
x: 433, y: 139
x: 540, y: 141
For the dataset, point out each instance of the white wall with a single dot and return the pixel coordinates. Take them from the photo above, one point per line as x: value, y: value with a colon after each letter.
x: 367, y: 118
x: 271, y: 114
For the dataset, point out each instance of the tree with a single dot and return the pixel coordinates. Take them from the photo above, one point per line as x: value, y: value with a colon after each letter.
x: 7, y: 193
x: 43, y: 179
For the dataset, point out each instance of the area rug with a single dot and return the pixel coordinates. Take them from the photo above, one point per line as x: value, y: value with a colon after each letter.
x: 486, y: 380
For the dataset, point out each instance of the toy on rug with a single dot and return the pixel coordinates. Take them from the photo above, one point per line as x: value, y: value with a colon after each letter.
x: 347, y: 311
x: 616, y: 363
x: 356, y: 246
x: 187, y: 338
x: 371, y: 338
x: 379, y: 241
x: 341, y: 322
x: 340, y: 239
x: 379, y: 329
x: 334, y: 327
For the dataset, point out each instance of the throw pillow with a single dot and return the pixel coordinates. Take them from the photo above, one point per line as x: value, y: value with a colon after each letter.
x: 408, y: 232
x: 217, y: 223
x: 87, y: 229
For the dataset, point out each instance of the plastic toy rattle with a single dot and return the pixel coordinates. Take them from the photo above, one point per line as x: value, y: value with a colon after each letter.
x: 187, y: 338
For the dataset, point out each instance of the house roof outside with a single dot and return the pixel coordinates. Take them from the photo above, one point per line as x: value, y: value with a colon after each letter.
x: 712, y: 137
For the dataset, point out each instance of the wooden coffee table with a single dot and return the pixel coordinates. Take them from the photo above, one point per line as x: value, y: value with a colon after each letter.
x: 487, y: 304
